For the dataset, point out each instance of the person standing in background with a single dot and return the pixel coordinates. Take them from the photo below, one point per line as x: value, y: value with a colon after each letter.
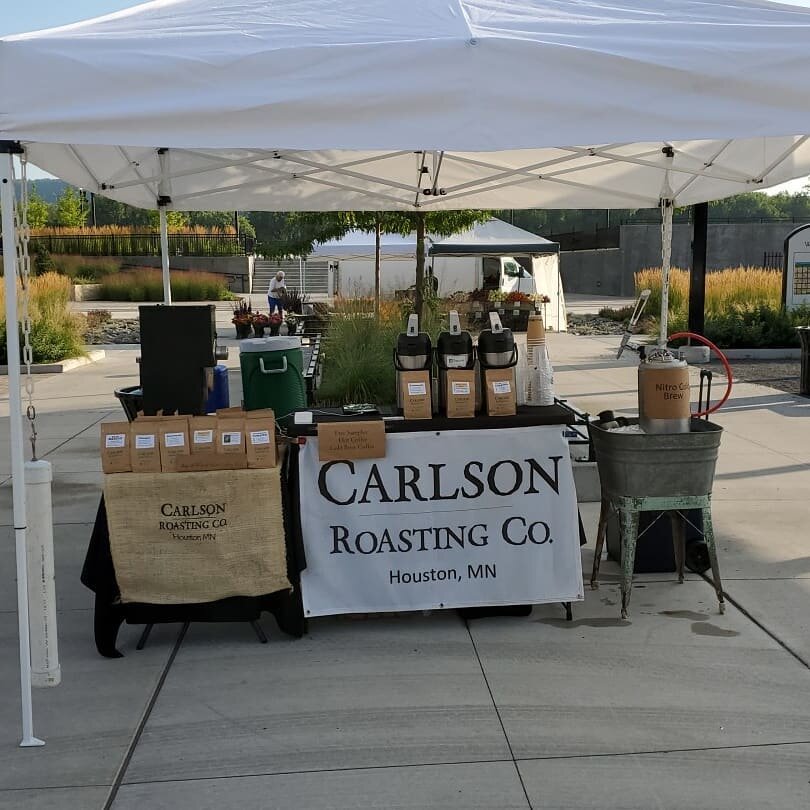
x: 275, y: 293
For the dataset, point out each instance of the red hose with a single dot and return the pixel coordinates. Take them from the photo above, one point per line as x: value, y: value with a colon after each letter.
x: 723, y: 360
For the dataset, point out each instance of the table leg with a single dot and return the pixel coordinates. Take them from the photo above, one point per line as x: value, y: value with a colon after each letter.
x: 708, y: 533
x: 678, y: 524
x: 628, y: 519
x: 600, y: 542
x: 257, y: 629
x: 144, y: 637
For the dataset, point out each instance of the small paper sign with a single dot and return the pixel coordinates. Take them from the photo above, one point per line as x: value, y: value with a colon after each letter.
x: 417, y: 389
x: 174, y: 439
x: 342, y: 440
x: 203, y: 437
x: 114, y: 440
x: 460, y: 388
x: 260, y: 437
x: 501, y: 387
x: 231, y: 437
x: 145, y: 441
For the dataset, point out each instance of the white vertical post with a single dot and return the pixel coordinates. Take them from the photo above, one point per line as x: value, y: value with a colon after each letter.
x: 164, y: 255
x: 667, y: 210
x: 45, y: 669
x: 16, y: 437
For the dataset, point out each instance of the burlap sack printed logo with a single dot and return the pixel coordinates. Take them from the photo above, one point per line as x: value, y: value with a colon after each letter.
x: 193, y: 523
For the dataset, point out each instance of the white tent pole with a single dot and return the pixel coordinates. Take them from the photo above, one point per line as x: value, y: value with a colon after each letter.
x: 16, y: 435
x: 164, y: 255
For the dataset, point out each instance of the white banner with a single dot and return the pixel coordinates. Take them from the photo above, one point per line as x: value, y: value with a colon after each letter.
x: 445, y: 520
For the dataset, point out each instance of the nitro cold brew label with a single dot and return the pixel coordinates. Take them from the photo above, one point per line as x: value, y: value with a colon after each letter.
x: 458, y: 519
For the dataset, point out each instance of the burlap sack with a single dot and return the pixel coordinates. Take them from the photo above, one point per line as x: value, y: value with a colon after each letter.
x: 196, y: 537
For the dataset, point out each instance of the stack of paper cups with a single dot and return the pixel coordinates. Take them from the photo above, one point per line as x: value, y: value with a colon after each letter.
x: 539, y: 374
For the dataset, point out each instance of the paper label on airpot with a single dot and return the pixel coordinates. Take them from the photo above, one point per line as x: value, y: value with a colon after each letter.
x: 417, y: 389
x: 260, y: 437
x: 460, y: 388
x: 174, y: 439
x: 501, y: 387
x: 203, y: 437
x: 115, y: 440
x: 145, y: 442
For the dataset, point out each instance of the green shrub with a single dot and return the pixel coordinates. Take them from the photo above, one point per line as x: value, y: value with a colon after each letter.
x: 621, y: 315
x: 753, y: 327
x: 97, y: 317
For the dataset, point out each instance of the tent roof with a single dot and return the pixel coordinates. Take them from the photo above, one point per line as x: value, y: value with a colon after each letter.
x: 384, y: 104
x: 493, y: 238
x: 361, y: 243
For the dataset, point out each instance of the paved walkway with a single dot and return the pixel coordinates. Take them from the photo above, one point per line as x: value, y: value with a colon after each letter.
x: 677, y: 708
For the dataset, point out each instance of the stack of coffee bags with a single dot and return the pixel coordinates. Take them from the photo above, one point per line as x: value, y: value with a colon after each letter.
x: 539, y: 374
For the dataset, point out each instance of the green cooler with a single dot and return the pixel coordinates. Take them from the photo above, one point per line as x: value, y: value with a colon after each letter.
x: 272, y: 374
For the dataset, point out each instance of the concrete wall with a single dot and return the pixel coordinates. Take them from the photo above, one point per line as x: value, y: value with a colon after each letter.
x: 240, y: 267
x: 610, y: 272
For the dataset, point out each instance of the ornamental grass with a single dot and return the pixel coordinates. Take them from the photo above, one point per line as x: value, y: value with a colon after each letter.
x: 743, y: 306
x: 147, y: 285
x: 56, y: 333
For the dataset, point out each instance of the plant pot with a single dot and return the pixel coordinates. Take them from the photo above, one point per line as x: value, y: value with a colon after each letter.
x: 258, y: 331
x: 242, y: 331
x: 274, y: 330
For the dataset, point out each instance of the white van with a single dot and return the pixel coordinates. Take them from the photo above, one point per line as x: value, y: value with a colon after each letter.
x: 508, y: 275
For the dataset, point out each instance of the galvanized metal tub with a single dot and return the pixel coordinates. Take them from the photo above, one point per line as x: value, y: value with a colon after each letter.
x: 644, y: 465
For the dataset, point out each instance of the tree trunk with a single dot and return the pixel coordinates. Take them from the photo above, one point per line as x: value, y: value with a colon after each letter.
x: 377, y: 233
x: 418, y: 303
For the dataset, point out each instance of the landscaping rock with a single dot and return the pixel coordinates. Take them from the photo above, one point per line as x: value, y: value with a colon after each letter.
x: 593, y: 325
x: 119, y: 330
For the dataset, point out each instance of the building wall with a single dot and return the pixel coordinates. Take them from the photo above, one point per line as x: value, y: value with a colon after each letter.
x: 611, y: 272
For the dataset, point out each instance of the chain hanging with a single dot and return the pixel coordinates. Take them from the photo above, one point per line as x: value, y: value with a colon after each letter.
x: 24, y: 272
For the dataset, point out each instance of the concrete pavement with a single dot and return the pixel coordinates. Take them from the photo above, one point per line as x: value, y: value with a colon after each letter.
x: 678, y: 707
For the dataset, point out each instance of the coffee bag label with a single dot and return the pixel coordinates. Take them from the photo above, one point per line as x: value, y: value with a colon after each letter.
x: 231, y: 437
x: 417, y: 389
x: 115, y: 440
x: 260, y: 437
x: 501, y: 387
x: 203, y: 437
x: 145, y: 441
x: 174, y: 439
x: 460, y: 389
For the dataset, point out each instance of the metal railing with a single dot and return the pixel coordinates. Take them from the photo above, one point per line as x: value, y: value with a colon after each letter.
x: 773, y: 261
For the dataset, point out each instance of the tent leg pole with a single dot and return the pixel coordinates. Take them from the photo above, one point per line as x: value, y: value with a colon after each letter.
x: 164, y: 255
x: 7, y: 193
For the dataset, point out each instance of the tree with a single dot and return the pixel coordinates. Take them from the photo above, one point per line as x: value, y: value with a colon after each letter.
x: 70, y: 211
x: 438, y: 223
x: 38, y: 210
x: 175, y: 220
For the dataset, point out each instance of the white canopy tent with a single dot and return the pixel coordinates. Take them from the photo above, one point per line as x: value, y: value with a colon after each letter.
x: 428, y: 104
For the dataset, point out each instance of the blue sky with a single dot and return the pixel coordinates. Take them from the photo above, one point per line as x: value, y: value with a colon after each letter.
x: 32, y: 15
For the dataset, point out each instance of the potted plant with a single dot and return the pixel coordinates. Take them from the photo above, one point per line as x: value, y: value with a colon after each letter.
x: 274, y: 323
x: 260, y: 323
x: 242, y: 319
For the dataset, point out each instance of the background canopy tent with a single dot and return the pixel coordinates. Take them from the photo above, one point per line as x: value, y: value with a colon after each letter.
x: 493, y: 238
x: 434, y: 103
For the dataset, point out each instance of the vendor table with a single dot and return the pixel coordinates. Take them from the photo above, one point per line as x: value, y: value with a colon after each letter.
x: 99, y: 575
x: 466, y: 513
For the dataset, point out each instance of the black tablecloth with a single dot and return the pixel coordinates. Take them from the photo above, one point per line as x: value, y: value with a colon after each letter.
x: 525, y: 417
